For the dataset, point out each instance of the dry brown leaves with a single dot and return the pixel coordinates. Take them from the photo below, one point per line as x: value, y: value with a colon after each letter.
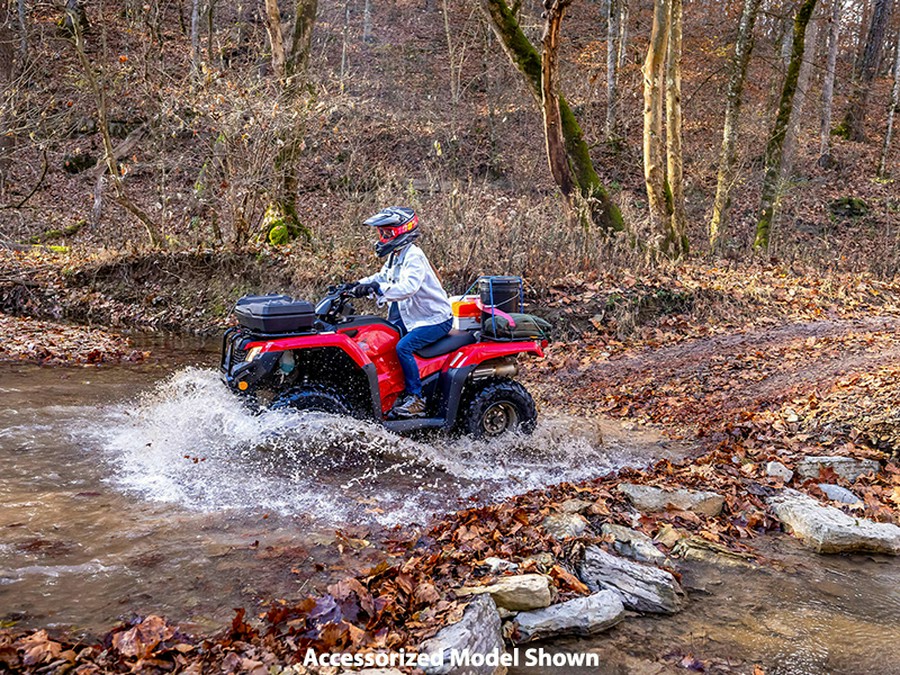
x: 60, y: 344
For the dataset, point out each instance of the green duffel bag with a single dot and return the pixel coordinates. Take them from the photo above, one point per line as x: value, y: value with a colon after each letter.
x: 514, y: 326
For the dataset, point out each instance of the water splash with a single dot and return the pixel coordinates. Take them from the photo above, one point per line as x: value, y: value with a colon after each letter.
x: 191, y: 441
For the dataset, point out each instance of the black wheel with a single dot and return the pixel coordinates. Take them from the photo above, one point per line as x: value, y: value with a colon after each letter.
x: 497, y: 407
x: 318, y: 399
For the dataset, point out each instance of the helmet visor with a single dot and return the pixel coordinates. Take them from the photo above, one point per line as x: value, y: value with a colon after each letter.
x: 386, y: 234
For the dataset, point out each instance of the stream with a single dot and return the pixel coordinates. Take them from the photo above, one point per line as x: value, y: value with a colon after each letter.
x: 149, y: 488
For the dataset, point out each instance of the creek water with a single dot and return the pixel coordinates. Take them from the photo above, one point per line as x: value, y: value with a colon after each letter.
x: 151, y: 489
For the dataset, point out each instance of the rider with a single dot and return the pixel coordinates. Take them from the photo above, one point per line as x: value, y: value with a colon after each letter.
x: 418, y: 304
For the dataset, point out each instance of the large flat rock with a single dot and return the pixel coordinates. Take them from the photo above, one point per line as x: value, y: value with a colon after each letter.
x: 517, y: 592
x: 827, y: 529
x: 651, y: 499
x: 582, y: 616
x: 847, y: 468
x: 643, y: 588
x: 478, y: 631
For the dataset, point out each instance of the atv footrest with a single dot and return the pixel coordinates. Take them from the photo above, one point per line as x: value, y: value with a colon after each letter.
x: 414, y: 424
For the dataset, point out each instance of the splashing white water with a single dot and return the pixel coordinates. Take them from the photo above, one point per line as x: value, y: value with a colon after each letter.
x: 191, y: 441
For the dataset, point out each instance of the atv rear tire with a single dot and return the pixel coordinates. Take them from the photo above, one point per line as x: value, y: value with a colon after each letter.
x: 317, y: 399
x: 499, y: 406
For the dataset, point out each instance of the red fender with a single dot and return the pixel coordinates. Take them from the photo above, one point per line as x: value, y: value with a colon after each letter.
x: 338, y: 340
x: 484, y: 351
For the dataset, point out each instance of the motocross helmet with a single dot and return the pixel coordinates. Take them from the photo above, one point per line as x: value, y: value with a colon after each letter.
x: 397, y: 226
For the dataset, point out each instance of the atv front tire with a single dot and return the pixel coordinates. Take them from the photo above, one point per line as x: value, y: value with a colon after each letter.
x: 499, y: 406
x: 318, y: 399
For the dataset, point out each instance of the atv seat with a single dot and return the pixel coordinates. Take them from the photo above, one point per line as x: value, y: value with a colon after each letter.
x: 452, y: 341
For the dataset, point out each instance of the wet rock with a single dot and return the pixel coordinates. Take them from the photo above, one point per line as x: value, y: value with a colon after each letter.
x: 697, y: 548
x: 827, y: 529
x: 669, y: 535
x: 633, y: 544
x: 518, y: 592
x: 582, y: 616
x: 500, y: 565
x: 847, y: 468
x: 643, y: 588
x: 779, y: 470
x: 650, y: 499
x: 575, y: 506
x: 478, y: 631
x: 563, y: 525
x: 836, y: 493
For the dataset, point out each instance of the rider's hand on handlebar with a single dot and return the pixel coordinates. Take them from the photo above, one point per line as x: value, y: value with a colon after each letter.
x: 348, y: 287
x: 363, y: 290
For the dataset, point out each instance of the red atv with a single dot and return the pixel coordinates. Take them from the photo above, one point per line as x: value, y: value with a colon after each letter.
x: 286, y: 354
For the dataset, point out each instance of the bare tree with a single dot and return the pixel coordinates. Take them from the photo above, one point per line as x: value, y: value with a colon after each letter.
x: 301, y: 43
x: 276, y: 38
x: 603, y: 212
x: 654, y: 113
x: 23, y: 31
x: 98, y: 89
x: 195, y: 36
x: 803, y: 80
x: 775, y: 145
x: 612, y: 66
x: 7, y: 72
x: 743, y: 47
x: 556, y: 145
x: 675, y: 240
x: 834, y: 31
x: 854, y: 124
x: 623, y: 32
x: 367, y: 22
x: 895, y: 104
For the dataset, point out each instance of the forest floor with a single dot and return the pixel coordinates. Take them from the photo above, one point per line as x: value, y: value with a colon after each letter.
x: 744, y: 365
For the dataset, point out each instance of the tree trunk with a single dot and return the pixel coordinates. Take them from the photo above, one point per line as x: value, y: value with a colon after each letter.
x: 834, y: 31
x: 854, y: 124
x: 23, y: 32
x: 775, y: 145
x: 98, y: 89
x: 525, y: 58
x: 301, y: 43
x: 623, y: 32
x: 7, y: 71
x: 556, y: 149
x: 675, y: 241
x: 276, y: 39
x: 895, y: 104
x: 367, y: 22
x: 612, y: 62
x: 743, y: 47
x: 654, y: 71
x: 803, y: 79
x: 195, y: 37
x: 210, y: 32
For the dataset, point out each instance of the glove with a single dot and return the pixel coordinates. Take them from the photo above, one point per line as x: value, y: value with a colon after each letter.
x: 365, y: 290
x: 348, y: 287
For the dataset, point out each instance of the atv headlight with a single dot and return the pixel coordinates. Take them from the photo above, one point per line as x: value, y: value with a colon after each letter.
x: 253, y: 353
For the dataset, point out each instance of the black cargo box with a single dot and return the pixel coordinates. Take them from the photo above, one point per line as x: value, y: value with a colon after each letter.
x: 275, y: 314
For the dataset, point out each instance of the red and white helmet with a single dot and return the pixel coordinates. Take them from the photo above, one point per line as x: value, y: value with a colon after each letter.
x: 397, y: 226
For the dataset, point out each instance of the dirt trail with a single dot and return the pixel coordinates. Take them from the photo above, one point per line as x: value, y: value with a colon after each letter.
x: 710, y: 380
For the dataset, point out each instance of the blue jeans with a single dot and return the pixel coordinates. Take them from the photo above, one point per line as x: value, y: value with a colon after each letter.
x: 410, y: 342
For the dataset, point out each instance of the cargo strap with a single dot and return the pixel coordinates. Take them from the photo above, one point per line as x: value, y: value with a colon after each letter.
x: 494, y: 311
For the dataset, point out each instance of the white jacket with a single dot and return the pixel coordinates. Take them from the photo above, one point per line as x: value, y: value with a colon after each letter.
x: 408, y: 279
